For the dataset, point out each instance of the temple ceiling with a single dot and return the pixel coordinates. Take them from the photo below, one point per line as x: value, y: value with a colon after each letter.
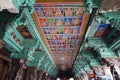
x: 62, y: 26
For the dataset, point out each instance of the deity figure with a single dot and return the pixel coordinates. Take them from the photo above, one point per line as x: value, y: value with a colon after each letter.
x: 53, y: 37
x: 58, y: 30
x: 49, y: 13
x: 47, y: 31
x: 25, y: 34
x: 18, y: 41
x: 48, y: 37
x: 79, y: 12
x: 72, y: 42
x: 40, y: 13
x: 52, y: 31
x: 13, y: 35
x: 64, y: 38
x: 75, y: 31
x: 67, y: 23
x: 76, y: 22
x: 67, y: 31
x: 76, y: 37
x: 58, y: 37
x: 43, y: 23
x: 68, y: 12
x: 50, y: 23
x: 59, y: 22
x: 58, y: 12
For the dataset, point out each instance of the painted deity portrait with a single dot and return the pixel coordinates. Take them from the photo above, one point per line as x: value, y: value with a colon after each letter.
x: 59, y: 22
x: 67, y: 30
x: 79, y: 11
x: 67, y: 21
x: 58, y: 12
x: 58, y: 37
x: 43, y: 22
x: 53, y: 37
x: 60, y: 30
x: 75, y: 30
x: 68, y: 12
x: 76, y: 37
x: 46, y: 30
x: 64, y: 38
x: 13, y: 35
x: 41, y: 12
x: 48, y: 37
x: 18, y: 41
x: 50, y: 21
x: 50, y: 42
x: 49, y: 12
x: 76, y: 22
x: 52, y: 31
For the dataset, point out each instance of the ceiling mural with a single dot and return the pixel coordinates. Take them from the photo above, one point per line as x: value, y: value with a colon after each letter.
x: 60, y: 25
x: 103, y: 30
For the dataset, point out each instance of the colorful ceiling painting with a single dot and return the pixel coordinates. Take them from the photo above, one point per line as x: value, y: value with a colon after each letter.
x: 103, y: 30
x: 60, y: 25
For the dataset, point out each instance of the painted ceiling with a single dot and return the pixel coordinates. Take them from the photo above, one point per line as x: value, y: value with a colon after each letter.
x: 60, y: 26
x: 63, y: 27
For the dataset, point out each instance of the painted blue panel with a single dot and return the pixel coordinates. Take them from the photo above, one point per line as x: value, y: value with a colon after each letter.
x: 103, y: 26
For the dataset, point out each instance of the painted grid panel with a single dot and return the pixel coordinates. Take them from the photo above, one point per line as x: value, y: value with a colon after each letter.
x: 61, y: 25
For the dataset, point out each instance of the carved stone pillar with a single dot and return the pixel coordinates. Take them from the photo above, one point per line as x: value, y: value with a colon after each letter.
x: 107, y: 72
x: 84, y: 76
x: 14, y: 69
x: 114, y: 62
x: 117, y: 68
x: 5, y: 69
x: 30, y: 73
x: 1, y: 44
x: 39, y: 75
x: 8, y: 71
x: 19, y: 74
x: 79, y: 78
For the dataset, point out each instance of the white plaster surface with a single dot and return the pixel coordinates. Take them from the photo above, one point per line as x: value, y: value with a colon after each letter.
x: 7, y: 4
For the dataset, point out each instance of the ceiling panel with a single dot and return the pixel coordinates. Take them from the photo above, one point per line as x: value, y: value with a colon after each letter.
x: 62, y: 27
x: 102, y: 30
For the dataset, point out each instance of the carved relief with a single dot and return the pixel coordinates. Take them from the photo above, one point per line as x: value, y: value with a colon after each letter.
x: 24, y: 32
x: 113, y: 5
